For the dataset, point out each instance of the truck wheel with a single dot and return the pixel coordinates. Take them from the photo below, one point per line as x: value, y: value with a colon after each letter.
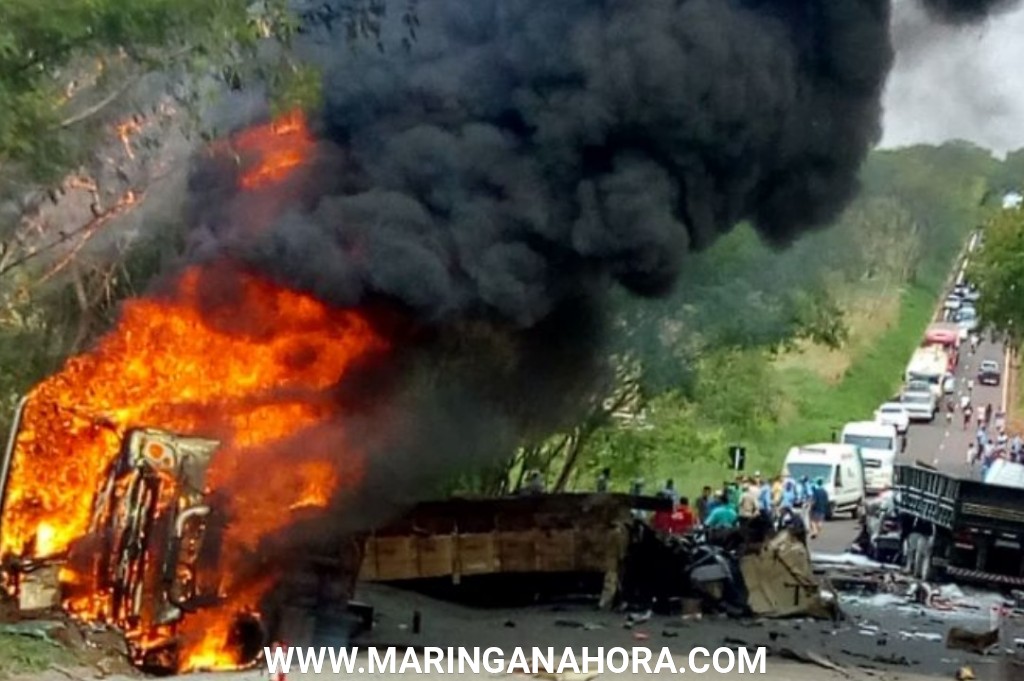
x: 855, y: 511
x: 831, y: 511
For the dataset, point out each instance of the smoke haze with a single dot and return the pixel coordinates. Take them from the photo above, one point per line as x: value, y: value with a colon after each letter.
x: 956, y: 81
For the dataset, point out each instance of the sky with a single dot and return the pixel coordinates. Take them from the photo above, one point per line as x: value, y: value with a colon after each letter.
x: 956, y: 83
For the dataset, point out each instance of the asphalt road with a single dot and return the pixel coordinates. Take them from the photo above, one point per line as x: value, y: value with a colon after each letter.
x: 940, y: 444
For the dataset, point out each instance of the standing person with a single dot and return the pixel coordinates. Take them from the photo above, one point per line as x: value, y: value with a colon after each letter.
x: 803, y: 499
x: 534, y: 483
x: 722, y: 516
x: 669, y: 491
x: 819, y: 507
x: 604, y: 480
x: 950, y: 408
x: 683, y: 518
x: 970, y: 386
x: 968, y: 410
x: 749, y: 507
x: 777, y: 491
x: 703, y: 501
x: 764, y: 500
x: 972, y: 449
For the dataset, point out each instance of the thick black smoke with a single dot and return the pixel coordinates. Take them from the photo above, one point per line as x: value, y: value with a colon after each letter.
x: 492, y: 177
x: 522, y: 148
x: 964, y: 11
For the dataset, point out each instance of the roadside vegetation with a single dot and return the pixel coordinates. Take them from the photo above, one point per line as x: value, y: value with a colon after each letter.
x: 768, y: 350
x: 756, y: 347
x: 26, y: 655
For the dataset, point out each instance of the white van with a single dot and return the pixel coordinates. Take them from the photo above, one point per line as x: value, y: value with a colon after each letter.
x: 838, y: 465
x: 878, y: 445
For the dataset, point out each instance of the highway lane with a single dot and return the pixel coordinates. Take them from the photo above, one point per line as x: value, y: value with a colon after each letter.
x: 945, y: 445
x: 936, y: 444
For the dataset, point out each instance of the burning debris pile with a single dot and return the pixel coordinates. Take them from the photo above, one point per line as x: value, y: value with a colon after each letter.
x: 412, y: 281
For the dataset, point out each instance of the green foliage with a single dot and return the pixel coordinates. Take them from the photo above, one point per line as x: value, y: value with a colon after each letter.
x: 668, y: 430
x: 21, y: 654
x: 707, y: 350
x: 47, y: 45
x: 997, y: 268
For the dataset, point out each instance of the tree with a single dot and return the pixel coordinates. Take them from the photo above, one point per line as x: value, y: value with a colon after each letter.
x: 997, y: 268
x: 61, y: 61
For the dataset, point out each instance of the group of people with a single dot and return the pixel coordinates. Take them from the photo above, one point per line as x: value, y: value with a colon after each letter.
x: 780, y: 502
x: 991, y: 442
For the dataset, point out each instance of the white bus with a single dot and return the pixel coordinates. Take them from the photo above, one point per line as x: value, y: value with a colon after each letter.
x: 878, y: 445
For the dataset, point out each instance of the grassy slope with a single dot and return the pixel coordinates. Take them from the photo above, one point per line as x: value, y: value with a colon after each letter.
x: 23, y: 655
x: 816, y: 405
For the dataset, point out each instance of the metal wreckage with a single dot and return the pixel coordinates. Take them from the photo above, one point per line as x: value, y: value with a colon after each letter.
x: 149, y: 562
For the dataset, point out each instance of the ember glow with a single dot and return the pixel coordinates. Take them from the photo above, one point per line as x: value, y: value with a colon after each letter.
x: 220, y: 353
x: 279, y: 147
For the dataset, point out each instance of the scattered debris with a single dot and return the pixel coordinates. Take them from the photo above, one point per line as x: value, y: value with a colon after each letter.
x: 959, y: 638
x: 965, y: 674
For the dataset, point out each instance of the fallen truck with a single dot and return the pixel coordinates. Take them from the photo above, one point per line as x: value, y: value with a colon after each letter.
x: 959, y: 529
x: 151, y: 558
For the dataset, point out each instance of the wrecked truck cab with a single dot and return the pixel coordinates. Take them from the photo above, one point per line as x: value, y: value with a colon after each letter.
x: 149, y: 555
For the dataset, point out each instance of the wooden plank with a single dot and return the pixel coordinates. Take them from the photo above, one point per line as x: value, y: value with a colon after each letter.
x: 435, y: 555
x: 517, y: 551
x: 476, y: 554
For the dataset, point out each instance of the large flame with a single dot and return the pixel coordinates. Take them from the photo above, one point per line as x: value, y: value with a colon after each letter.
x: 221, y: 353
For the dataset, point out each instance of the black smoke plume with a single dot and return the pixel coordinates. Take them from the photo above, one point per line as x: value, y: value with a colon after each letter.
x: 496, y: 165
x: 966, y: 11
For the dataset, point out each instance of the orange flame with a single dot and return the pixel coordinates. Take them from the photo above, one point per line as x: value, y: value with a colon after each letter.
x: 281, y: 147
x: 224, y: 354
x: 125, y: 132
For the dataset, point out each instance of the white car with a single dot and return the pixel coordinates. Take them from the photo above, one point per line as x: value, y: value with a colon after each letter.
x: 920, y: 406
x: 893, y: 414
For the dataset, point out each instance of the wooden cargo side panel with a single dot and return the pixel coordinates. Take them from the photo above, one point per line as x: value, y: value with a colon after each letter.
x: 435, y: 555
x: 556, y: 551
x: 517, y: 551
x: 477, y: 554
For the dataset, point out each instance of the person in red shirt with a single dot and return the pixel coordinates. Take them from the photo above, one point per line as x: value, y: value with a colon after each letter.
x: 679, y: 520
x: 683, y: 517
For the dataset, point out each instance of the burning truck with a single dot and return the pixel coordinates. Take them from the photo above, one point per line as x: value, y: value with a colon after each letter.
x: 481, y: 188
x: 143, y: 484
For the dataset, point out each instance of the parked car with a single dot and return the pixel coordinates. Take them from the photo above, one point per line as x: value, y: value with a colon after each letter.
x: 893, y: 414
x: 949, y: 384
x: 952, y: 303
x: 988, y: 373
x: 971, y: 295
x: 920, y: 405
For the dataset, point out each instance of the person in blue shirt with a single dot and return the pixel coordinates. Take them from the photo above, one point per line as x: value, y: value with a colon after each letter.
x: 819, y: 506
x: 724, y: 516
x: 788, y: 494
x: 764, y: 499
